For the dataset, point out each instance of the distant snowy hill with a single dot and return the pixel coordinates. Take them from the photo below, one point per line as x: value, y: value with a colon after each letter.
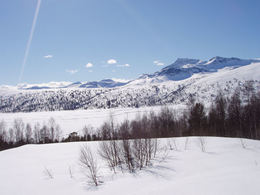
x: 106, y: 83
x: 171, y: 85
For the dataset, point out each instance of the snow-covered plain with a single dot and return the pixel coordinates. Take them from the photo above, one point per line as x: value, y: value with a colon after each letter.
x: 225, y: 168
x: 75, y: 120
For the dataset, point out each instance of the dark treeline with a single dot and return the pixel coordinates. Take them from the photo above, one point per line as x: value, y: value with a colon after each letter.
x: 20, y: 134
x: 226, y: 117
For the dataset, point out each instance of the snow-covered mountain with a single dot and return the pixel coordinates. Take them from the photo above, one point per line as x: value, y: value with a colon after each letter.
x: 105, y: 83
x: 171, y: 85
x: 184, y: 68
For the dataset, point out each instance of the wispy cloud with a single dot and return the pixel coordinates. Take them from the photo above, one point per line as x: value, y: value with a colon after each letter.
x: 89, y: 65
x: 158, y: 63
x: 72, y: 71
x: 48, y: 56
x: 111, y: 61
x: 123, y: 65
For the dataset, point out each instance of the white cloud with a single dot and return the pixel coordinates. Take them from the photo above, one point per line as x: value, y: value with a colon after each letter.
x: 90, y: 71
x: 112, y: 61
x: 72, y: 71
x: 158, y: 63
x: 89, y: 65
x: 123, y: 65
x: 48, y: 56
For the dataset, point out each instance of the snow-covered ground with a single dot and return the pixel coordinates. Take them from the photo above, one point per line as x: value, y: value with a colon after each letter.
x: 225, y: 168
x: 75, y: 120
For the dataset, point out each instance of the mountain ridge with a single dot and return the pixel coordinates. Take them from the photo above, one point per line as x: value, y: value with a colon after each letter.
x: 181, y: 69
x: 171, y: 85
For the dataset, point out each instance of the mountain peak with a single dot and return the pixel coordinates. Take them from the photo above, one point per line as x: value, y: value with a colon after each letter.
x: 184, y: 68
x: 222, y: 62
x: 219, y: 59
x: 184, y: 61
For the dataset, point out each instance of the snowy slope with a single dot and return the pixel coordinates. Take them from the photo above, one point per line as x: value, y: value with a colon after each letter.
x: 184, y: 68
x: 225, y: 168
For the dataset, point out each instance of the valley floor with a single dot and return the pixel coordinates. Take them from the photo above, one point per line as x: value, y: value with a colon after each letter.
x: 224, y: 168
x: 75, y: 120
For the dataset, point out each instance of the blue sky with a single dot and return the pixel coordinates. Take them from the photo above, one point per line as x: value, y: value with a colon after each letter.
x: 84, y: 40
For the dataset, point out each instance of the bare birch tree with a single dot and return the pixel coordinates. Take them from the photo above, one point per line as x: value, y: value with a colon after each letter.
x: 89, y: 165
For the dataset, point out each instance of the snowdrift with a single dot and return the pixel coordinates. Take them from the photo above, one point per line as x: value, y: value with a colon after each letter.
x: 224, y: 168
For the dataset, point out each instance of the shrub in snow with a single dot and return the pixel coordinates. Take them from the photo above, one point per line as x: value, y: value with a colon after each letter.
x: 89, y: 165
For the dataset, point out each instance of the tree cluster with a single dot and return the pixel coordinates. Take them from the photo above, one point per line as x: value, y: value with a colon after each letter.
x: 118, y: 154
x: 227, y: 117
x: 21, y: 133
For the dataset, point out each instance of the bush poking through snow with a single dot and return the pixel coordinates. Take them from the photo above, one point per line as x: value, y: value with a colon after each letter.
x: 110, y: 152
x: 70, y: 173
x: 144, y: 150
x: 202, y: 143
x: 128, y: 154
x: 47, y: 172
x: 243, y: 144
x: 186, y: 143
x: 139, y: 152
x: 172, y: 144
x: 89, y: 165
x: 164, y: 151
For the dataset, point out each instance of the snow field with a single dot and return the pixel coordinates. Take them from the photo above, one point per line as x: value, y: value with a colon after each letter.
x: 224, y: 168
x: 75, y: 120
